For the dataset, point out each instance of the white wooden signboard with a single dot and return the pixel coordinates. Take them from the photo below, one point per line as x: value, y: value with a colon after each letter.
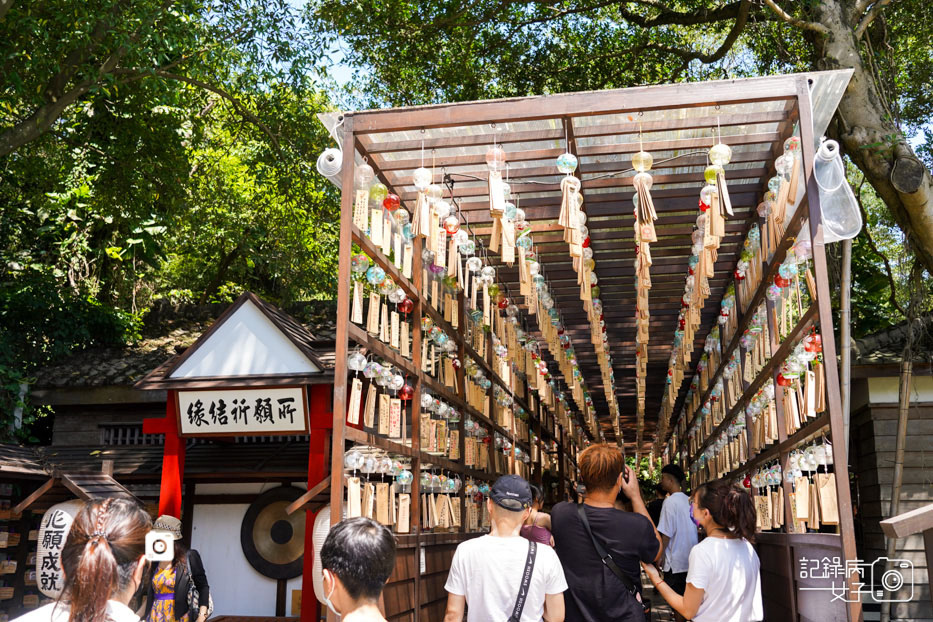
x: 263, y: 411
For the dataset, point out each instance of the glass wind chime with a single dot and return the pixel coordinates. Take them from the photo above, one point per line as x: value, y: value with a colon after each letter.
x: 713, y: 204
x: 781, y: 195
x: 576, y: 233
x: 645, y: 216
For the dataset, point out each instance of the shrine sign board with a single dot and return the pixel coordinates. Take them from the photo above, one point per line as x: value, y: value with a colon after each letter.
x: 254, y: 411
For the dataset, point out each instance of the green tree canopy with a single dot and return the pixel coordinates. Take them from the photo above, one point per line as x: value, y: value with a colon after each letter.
x: 452, y: 50
x: 147, y: 150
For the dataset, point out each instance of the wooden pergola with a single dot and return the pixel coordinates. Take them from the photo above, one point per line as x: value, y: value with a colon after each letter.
x: 677, y: 124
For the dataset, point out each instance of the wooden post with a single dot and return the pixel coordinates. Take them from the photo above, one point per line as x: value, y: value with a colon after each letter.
x: 561, y: 474
x: 461, y: 389
x: 173, y: 457
x: 415, y: 510
x: 833, y: 399
x: 321, y: 421
x: 343, y: 316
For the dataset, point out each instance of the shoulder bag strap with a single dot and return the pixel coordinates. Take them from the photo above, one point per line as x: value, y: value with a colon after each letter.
x: 526, y: 581
x: 604, y: 555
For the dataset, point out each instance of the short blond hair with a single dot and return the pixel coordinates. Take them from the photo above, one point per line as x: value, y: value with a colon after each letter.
x: 600, y: 466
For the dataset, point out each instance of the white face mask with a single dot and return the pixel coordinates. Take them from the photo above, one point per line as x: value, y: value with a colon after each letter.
x: 327, y: 600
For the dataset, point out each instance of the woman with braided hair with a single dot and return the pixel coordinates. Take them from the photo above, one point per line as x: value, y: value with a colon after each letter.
x: 104, y: 564
x: 723, y: 580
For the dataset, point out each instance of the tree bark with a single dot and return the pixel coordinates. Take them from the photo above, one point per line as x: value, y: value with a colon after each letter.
x: 39, y: 122
x: 871, y: 138
x: 216, y: 281
x: 5, y: 5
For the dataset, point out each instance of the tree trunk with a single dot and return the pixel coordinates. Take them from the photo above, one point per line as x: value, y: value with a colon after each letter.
x: 871, y: 137
x: 222, y: 268
x: 39, y: 122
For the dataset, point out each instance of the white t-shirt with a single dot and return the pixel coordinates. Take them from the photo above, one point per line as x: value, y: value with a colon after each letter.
x: 675, y: 523
x: 488, y: 571
x: 727, y: 569
x: 59, y: 612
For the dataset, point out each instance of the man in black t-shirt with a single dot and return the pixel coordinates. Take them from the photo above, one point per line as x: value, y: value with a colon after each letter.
x: 594, y: 593
x: 655, y: 505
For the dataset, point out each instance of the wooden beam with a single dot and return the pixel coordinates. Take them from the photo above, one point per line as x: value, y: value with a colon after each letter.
x: 637, y: 99
x: 308, y: 497
x: 457, y: 140
x: 679, y: 144
x: 909, y: 523
x: 41, y: 490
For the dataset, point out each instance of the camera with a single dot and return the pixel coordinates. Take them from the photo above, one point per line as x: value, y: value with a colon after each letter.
x: 899, y: 576
x: 160, y: 546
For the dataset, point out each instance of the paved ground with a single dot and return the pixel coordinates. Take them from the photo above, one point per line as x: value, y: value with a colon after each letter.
x: 660, y: 611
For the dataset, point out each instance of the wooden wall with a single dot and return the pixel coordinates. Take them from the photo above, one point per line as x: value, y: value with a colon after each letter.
x: 873, y: 436
x: 80, y: 424
x: 786, y: 596
x: 399, y: 593
x: 408, y: 584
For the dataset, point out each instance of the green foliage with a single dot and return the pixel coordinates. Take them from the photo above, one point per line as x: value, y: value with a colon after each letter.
x: 881, y: 265
x: 422, y: 52
x: 41, y: 322
x: 258, y: 217
x: 646, y: 475
x: 200, y: 139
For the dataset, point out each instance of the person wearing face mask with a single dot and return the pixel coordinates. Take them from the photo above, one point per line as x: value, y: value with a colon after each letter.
x: 723, y: 579
x: 104, y: 564
x: 357, y: 558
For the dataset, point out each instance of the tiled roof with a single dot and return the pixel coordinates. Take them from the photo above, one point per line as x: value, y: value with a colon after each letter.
x: 204, y: 456
x: 22, y: 460
x: 887, y: 346
x: 201, y: 457
x: 167, y: 331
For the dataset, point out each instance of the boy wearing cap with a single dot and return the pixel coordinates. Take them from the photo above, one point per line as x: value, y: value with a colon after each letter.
x: 502, y: 577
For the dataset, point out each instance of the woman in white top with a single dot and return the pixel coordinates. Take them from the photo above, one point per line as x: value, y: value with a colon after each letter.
x: 723, y: 580
x: 104, y: 562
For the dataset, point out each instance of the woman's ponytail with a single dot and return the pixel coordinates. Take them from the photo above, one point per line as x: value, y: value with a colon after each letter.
x: 730, y: 507
x: 740, y: 513
x: 100, y: 555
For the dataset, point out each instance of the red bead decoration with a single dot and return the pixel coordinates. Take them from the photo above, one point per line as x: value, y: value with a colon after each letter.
x: 747, y: 482
x: 586, y: 242
x: 503, y: 302
x: 738, y: 275
x: 780, y: 281
x: 703, y: 206
x: 406, y: 392
x: 782, y: 381
x: 406, y: 306
x: 391, y: 202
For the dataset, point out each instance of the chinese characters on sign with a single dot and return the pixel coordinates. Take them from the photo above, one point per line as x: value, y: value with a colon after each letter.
x: 56, y: 523
x: 268, y: 410
x: 884, y: 579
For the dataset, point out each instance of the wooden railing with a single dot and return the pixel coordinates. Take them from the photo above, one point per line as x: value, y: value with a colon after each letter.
x: 909, y: 523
